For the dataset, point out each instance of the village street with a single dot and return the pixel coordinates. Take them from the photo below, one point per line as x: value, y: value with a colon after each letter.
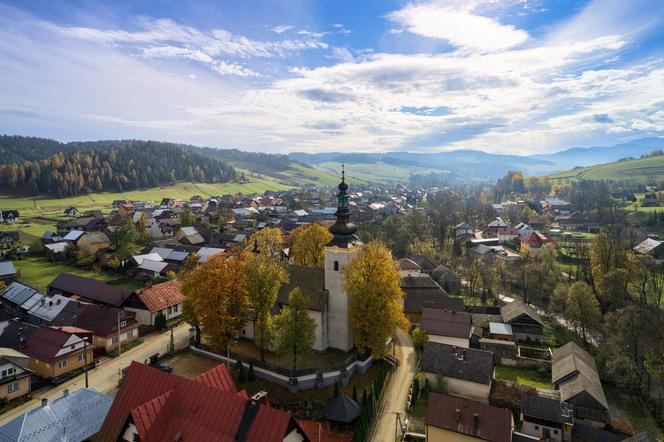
x: 396, y: 394
x: 104, y: 378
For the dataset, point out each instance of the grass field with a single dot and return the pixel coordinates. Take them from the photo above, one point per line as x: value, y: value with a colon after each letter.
x: 633, y: 170
x: 38, y: 273
x: 523, y: 376
x: 375, y: 172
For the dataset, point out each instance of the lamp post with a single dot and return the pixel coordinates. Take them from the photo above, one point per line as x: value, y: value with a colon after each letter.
x: 85, y: 360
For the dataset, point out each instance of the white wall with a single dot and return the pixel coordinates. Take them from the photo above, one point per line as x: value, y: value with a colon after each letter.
x: 339, y: 335
x: 459, y: 342
x: 143, y: 317
x: 529, y: 429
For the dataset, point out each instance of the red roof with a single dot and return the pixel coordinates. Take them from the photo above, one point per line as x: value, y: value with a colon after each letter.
x: 161, y: 296
x: 208, y: 408
x: 536, y: 239
x: 320, y: 431
x: 46, y: 342
x: 471, y: 418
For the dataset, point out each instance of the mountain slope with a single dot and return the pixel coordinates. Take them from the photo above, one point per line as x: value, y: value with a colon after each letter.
x: 642, y: 170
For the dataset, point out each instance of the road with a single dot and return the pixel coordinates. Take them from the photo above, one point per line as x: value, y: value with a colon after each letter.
x: 104, y: 378
x: 394, y: 398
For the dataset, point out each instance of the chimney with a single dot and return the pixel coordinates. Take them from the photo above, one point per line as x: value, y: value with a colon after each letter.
x: 50, y: 303
x: 58, y: 301
x: 65, y: 392
x: 458, y: 414
x: 44, y: 402
x: 454, y: 312
x: 43, y: 301
x: 476, y: 419
x: 464, y: 354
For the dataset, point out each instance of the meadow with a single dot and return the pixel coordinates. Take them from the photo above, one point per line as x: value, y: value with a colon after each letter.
x: 643, y: 169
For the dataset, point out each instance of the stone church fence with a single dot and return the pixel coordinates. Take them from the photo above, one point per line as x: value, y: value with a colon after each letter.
x: 300, y: 380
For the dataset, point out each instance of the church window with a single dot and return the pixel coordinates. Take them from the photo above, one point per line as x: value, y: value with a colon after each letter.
x: 336, y: 266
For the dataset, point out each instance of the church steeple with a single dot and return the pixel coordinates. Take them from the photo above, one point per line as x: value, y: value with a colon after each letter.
x: 343, y: 231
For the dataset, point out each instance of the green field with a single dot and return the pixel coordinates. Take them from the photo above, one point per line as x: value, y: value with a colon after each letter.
x: 631, y: 170
x: 375, y: 172
x: 38, y: 273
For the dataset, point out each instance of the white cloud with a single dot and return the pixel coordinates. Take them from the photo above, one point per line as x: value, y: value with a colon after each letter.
x: 461, y: 27
x: 282, y: 28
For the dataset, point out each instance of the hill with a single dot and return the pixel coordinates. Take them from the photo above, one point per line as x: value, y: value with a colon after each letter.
x: 643, y: 170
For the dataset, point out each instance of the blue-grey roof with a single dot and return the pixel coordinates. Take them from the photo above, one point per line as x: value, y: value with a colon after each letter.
x: 75, y: 417
x: 17, y: 293
x: 7, y: 268
x: 177, y: 256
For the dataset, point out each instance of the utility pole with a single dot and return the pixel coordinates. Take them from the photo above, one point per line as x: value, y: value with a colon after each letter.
x: 85, y: 360
x: 119, y: 337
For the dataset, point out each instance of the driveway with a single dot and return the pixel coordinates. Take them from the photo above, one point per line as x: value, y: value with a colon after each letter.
x: 105, y: 377
x: 396, y: 394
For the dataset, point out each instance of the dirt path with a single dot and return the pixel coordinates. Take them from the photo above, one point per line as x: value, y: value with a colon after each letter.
x: 105, y: 377
x: 397, y: 391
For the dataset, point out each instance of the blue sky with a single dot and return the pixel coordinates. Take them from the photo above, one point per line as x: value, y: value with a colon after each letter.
x: 508, y: 76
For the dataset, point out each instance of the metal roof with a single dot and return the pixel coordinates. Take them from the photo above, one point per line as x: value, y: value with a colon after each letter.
x: 74, y: 417
x: 498, y: 328
x: 7, y: 268
x: 152, y: 266
x: 73, y: 235
x: 17, y: 293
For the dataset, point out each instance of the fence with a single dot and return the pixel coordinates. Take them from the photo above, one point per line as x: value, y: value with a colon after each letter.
x: 371, y: 404
x: 303, y: 379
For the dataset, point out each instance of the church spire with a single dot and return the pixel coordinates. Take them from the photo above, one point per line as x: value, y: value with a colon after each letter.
x: 343, y: 231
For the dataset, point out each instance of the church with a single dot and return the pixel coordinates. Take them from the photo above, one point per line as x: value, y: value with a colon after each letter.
x: 328, y: 301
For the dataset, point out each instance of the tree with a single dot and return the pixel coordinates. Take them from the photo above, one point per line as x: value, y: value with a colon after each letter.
x: 295, y: 329
x: 218, y: 294
x: 126, y: 240
x: 265, y: 274
x: 267, y: 241
x: 374, y: 291
x: 420, y: 338
x: 354, y: 392
x: 187, y: 217
x: 307, y: 244
x: 583, y: 308
x: 189, y: 264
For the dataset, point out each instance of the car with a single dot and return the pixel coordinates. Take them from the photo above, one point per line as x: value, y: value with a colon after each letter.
x: 166, y: 367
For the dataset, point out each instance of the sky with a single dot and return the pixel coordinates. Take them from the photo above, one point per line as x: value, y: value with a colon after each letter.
x: 503, y: 76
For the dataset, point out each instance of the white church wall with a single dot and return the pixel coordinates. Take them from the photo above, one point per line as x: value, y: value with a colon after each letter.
x: 339, y: 335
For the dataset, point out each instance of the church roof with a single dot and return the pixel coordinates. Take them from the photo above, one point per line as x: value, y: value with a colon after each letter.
x: 311, y: 281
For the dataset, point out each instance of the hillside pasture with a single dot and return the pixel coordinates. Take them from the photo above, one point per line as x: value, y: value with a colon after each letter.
x: 640, y: 170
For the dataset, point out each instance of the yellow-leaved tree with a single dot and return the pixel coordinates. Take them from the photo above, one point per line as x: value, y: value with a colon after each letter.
x: 307, y: 244
x: 217, y: 296
x: 374, y: 291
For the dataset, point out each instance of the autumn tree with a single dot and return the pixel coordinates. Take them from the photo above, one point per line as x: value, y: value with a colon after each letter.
x: 307, y: 244
x: 420, y: 338
x: 265, y: 274
x: 187, y: 217
x: 126, y: 240
x: 583, y: 308
x: 374, y: 291
x: 217, y: 291
x: 295, y: 329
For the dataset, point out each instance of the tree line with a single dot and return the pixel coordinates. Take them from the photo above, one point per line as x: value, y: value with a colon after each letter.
x: 135, y: 165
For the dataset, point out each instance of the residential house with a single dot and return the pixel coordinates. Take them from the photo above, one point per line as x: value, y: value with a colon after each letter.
x: 73, y: 236
x: 463, y: 230
x: 546, y: 418
x: 467, y: 372
x: 189, y: 235
x: 126, y: 210
x: 574, y: 373
x: 155, y: 405
x: 572, y: 221
x: 73, y: 417
x: 423, y: 292
x: 56, y: 354
x: 14, y: 374
x: 166, y: 203
x: 9, y: 240
x: 87, y: 289
x: 87, y: 223
x: 151, y: 270
x: 93, y: 242
x: 524, y: 229
x: 650, y: 200
x: 507, y: 234
x: 651, y: 247
x: 56, y: 248
x: 451, y: 419
x: 13, y: 297
x: 447, y: 279
x: 9, y: 216
x: 408, y: 268
x: 14, y: 333
x: 426, y: 266
x: 8, y: 272
x: 109, y: 325
x: 71, y: 211
x: 447, y: 326
x: 535, y: 240
x: 495, y: 225
x: 166, y: 298
x: 526, y: 324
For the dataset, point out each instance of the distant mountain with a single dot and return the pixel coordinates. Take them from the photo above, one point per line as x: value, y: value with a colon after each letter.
x: 588, y: 156
x: 647, y: 170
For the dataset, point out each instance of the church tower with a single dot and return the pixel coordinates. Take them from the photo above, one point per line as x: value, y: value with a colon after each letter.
x: 339, y: 251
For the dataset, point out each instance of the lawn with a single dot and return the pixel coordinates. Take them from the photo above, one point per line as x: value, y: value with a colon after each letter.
x: 524, y: 376
x: 376, y: 172
x: 38, y: 273
x: 632, y: 170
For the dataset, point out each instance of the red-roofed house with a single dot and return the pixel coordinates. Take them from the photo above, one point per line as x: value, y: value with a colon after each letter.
x: 55, y: 353
x: 166, y: 298
x: 156, y: 406
x: 535, y: 240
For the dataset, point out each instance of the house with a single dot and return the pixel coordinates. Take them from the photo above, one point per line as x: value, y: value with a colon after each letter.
x: 651, y: 247
x: 423, y: 292
x: 407, y: 267
x: 189, y: 235
x: 524, y: 229
x: 154, y: 269
x: 535, y: 240
x: 73, y: 236
x: 166, y: 203
x: 16, y: 299
x: 507, y: 234
x: 14, y: 333
x: 447, y: 326
x: 495, y: 225
x: 165, y: 298
x: 14, y: 374
x: 425, y: 265
x: 467, y: 372
x: 9, y: 216
x: 8, y: 273
x: 574, y: 373
x: 155, y: 405
x: 56, y: 248
x: 9, y: 240
x: 57, y: 354
x: 87, y: 223
x: 454, y: 419
x: 525, y: 322
x: 500, y: 331
x: 87, y: 289
x: 92, y: 242
x: 74, y: 417
x: 464, y: 230
x: 71, y: 211
x: 109, y: 325
x: 546, y: 418
x: 447, y: 279
x: 650, y: 200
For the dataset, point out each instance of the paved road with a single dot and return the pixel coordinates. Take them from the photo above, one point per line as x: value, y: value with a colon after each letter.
x: 397, y: 391
x: 105, y: 377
